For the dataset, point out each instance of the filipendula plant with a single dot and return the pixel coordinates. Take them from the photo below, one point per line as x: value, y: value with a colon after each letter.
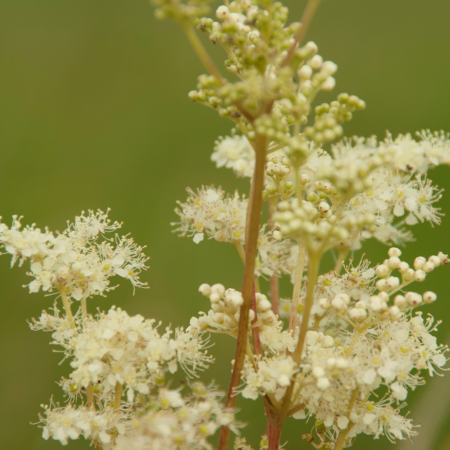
x: 348, y: 345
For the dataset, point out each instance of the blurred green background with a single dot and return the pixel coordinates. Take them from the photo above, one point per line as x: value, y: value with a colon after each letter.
x: 94, y: 114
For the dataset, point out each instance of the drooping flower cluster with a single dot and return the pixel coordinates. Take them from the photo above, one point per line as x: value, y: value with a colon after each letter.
x: 174, y: 422
x: 115, y: 348
x: 70, y: 422
x: 117, y: 390
x: 80, y: 260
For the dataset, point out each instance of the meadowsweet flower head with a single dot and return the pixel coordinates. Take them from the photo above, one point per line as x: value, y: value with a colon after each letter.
x: 80, y: 260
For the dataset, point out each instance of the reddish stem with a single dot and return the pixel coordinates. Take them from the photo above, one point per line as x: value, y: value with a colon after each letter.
x: 273, y: 434
x: 251, y: 249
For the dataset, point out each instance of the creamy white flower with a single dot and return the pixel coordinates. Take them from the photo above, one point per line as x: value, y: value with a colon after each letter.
x: 80, y: 260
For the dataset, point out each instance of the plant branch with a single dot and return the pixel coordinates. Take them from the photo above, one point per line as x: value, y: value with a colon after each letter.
x: 313, y: 272
x: 274, y: 281
x: 251, y: 249
x: 297, y: 286
x: 341, y: 258
x: 66, y: 305
x: 301, y: 32
x: 203, y: 54
x: 90, y: 396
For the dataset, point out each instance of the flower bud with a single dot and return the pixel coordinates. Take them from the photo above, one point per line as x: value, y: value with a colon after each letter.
x: 344, y: 297
x: 324, y: 207
x: 394, y: 262
x: 264, y: 305
x: 376, y: 304
x: 357, y: 314
x: 409, y: 275
x: 394, y: 252
x: 395, y: 313
x: 419, y: 262
x: 324, y: 303
x: 382, y: 271
x: 382, y: 285
x: 338, y: 305
x: 393, y: 282
x: 403, y: 267
x: 419, y: 275
x: 205, y: 289
x: 218, y: 289
x: 413, y: 298
x: 435, y: 260
x: 400, y: 301
x: 222, y: 12
x: 429, y: 297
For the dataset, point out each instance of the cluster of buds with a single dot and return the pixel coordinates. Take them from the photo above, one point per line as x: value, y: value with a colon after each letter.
x: 316, y: 224
x: 186, y: 13
x: 225, y: 309
x: 378, y: 305
x: 225, y: 306
x: 239, y: 28
x: 278, y: 168
x: 351, y: 176
x: 266, y: 317
x: 422, y: 267
x: 329, y: 117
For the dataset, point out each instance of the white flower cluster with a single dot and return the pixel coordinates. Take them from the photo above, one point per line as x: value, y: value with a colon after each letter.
x: 235, y: 152
x: 115, y: 348
x: 80, y: 260
x: 71, y: 422
x: 391, y: 354
x: 377, y: 185
x: 366, y: 339
x: 223, y: 317
x: 170, y: 421
x: 174, y: 422
x: 223, y: 218
x: 268, y: 376
x: 210, y: 211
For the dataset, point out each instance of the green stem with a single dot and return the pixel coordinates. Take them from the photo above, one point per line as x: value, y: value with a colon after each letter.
x: 66, y: 305
x: 274, y: 281
x: 84, y: 308
x: 301, y: 32
x: 350, y: 348
x: 90, y: 396
x: 343, y: 434
x: 297, y: 286
x: 251, y: 249
x: 203, y: 54
x: 313, y: 273
x: 341, y: 258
